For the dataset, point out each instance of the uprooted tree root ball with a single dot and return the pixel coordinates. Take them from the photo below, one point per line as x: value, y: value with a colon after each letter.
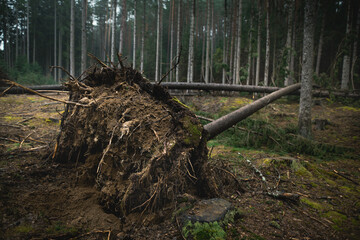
x: 141, y: 147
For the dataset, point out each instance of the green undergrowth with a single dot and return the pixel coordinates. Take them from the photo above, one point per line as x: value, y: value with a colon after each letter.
x: 261, y: 134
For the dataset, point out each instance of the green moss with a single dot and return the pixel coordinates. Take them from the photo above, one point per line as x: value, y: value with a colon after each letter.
x: 299, y: 169
x: 337, y: 218
x: 61, y: 228
x: 232, y: 215
x: 312, y: 204
x: 175, y: 99
x: 193, y: 131
x: 23, y: 229
x: 275, y: 224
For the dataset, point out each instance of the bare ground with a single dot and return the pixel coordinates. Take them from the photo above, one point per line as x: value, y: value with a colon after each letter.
x: 41, y: 199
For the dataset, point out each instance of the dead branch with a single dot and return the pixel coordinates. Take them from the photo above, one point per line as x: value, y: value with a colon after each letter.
x: 347, y: 178
x: 64, y: 70
x: 25, y: 138
x: 2, y: 94
x: 98, y: 60
x: 44, y: 96
x: 173, y: 67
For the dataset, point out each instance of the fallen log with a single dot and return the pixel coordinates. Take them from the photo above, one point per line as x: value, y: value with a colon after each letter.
x: 216, y: 127
x: 206, y: 87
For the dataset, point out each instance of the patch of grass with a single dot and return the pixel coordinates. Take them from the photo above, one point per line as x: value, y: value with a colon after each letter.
x: 60, y: 228
x: 337, y: 218
x: 313, y: 204
x: 23, y: 229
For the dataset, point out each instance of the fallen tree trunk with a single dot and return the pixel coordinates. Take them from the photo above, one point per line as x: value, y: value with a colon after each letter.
x: 207, y: 87
x: 227, y: 121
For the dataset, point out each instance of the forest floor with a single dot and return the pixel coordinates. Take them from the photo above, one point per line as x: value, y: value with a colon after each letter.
x: 40, y: 199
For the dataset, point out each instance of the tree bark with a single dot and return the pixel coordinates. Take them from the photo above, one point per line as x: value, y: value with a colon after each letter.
x: 72, y: 38
x: 224, y: 60
x: 55, y: 31
x: 143, y: 38
x: 83, y: 35
x: 157, y: 67
x: 190, y: 75
x: 134, y: 36
x: 171, y: 38
x: 27, y: 31
x: 267, y: 54
x: 320, y: 46
x: 207, y: 59
x: 227, y: 121
x: 238, y: 50
x: 250, y: 53
x: 60, y: 55
x: 356, y: 39
x: 178, y: 44
x: 113, y: 24
x: 123, y: 26
x: 346, y: 61
x: 258, y: 49
x: 307, y: 70
x: 288, y: 42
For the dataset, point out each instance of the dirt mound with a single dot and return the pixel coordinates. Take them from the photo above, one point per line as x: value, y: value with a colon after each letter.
x: 141, y: 147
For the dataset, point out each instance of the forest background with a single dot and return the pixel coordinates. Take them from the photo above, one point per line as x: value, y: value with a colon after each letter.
x: 220, y: 41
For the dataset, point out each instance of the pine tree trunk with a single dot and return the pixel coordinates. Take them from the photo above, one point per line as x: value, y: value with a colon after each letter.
x: 83, y: 35
x: 320, y: 46
x: 238, y: 50
x: 113, y: 24
x: 346, y: 61
x: 27, y: 31
x: 178, y: 44
x: 289, y: 41
x: 157, y: 67
x: 134, y: 36
x: 123, y: 26
x: 17, y: 34
x: 191, y: 44
x: 34, y: 45
x: 224, y: 60
x: 55, y: 38
x: 307, y: 70
x: 72, y: 38
x: 60, y: 55
x: 171, y: 38
x: 356, y: 39
x: 292, y: 56
x: 258, y: 50
x: 143, y: 38
x: 267, y: 54
x: 250, y: 53
x: 212, y: 41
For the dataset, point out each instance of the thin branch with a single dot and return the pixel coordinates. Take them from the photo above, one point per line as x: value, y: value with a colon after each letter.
x: 2, y: 94
x: 173, y: 67
x: 44, y: 96
x: 62, y: 68
x: 98, y: 60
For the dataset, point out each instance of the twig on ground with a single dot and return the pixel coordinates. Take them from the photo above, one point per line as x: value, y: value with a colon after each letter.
x: 347, y: 178
x: 25, y: 120
x: 10, y: 140
x: 25, y: 138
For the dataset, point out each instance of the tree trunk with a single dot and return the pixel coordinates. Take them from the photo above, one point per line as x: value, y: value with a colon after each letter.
x: 83, y: 35
x: 113, y: 24
x: 238, y: 50
x: 292, y: 56
x: 60, y: 55
x: 356, y: 39
x: 320, y: 46
x: 17, y: 34
x: 227, y: 121
x: 134, y: 36
x: 171, y: 38
x: 123, y: 25
x: 190, y: 76
x: 307, y: 70
x: 258, y: 49
x: 346, y: 61
x: 143, y: 38
x: 267, y: 56
x: 157, y: 67
x: 250, y: 53
x: 55, y: 38
x: 34, y: 45
x: 288, y: 42
x: 207, y: 58
x: 224, y: 60
x: 72, y: 38
x: 27, y: 32
x: 178, y: 44
x: 212, y: 41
